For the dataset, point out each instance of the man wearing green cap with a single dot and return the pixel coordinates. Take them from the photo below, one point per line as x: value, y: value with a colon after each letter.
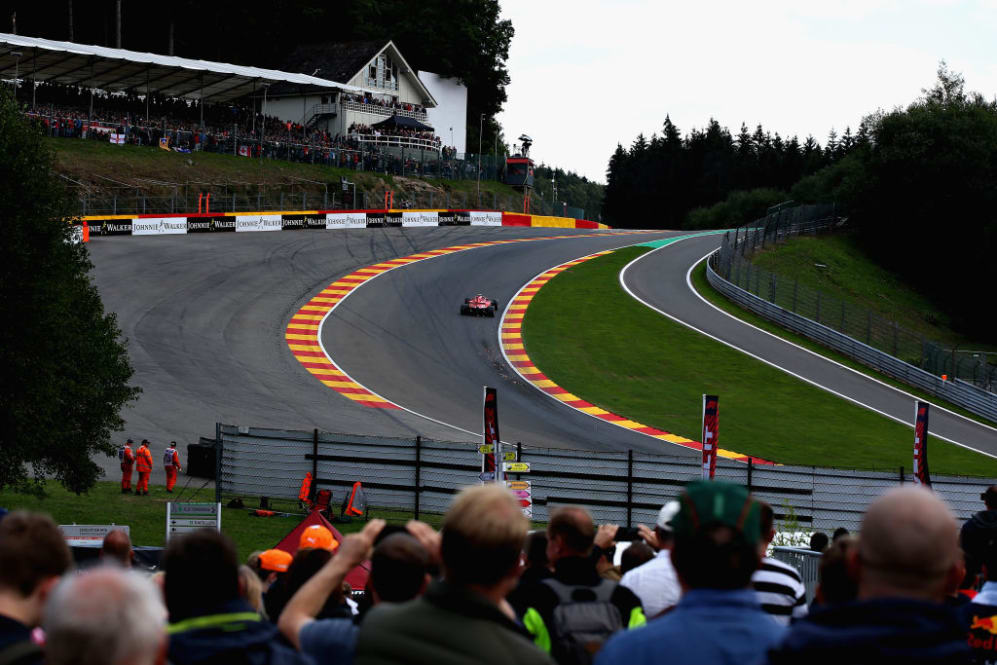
x: 718, y: 619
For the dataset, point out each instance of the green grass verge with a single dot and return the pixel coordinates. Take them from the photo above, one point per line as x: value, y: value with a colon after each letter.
x: 91, y: 161
x: 835, y: 265
x: 146, y: 515
x: 590, y: 337
x: 703, y: 287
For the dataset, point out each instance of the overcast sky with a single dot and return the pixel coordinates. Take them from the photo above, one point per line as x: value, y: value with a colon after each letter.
x: 587, y: 75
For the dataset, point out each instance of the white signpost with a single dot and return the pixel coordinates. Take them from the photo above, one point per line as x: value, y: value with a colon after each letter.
x: 183, y: 518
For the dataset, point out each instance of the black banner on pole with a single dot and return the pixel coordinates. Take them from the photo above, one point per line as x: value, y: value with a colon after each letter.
x: 490, y: 429
x: 921, y: 475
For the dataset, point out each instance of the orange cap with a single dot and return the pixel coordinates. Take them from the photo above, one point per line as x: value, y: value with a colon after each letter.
x: 275, y: 560
x: 318, y: 537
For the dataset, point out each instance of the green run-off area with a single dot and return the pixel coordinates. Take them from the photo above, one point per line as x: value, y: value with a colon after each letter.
x: 590, y: 337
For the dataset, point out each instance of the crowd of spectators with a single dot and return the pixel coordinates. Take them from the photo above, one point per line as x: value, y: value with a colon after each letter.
x: 696, y: 588
x: 176, y: 124
x: 392, y: 103
x: 358, y: 131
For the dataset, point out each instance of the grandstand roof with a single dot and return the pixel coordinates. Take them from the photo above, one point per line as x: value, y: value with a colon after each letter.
x: 115, y: 69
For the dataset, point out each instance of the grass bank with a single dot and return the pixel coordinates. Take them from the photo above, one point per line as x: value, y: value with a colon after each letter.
x: 146, y: 515
x: 703, y: 287
x: 835, y: 265
x: 128, y: 170
x: 591, y: 338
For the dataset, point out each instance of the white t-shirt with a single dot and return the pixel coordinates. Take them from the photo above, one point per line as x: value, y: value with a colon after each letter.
x: 655, y: 583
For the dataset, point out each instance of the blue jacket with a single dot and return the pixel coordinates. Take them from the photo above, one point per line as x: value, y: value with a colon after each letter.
x: 707, y: 626
x: 882, y: 631
x: 231, y: 634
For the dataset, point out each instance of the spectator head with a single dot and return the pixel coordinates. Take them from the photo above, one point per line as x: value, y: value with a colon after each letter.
x: 908, y: 546
x: 838, y: 533
x: 33, y: 555
x: 275, y: 561
x: 202, y: 573
x: 250, y: 587
x: 305, y: 563
x: 663, y: 527
x: 818, y: 541
x: 570, y: 532
x: 717, y: 533
x: 636, y: 555
x: 317, y: 536
x: 536, y: 549
x: 105, y: 615
x: 117, y: 548
x: 836, y: 582
x: 398, y: 569
x: 766, y: 524
x: 990, y: 497
x: 253, y: 561
x: 482, y: 538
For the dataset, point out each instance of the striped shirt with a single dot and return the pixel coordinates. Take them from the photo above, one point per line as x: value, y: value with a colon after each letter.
x: 780, y: 590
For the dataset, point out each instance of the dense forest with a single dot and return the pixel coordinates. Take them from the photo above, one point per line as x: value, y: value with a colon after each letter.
x: 463, y: 39
x: 672, y: 174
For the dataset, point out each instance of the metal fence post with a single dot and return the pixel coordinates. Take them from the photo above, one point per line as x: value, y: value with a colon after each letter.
x: 895, y: 332
x: 630, y: 486
x: 772, y: 288
x: 842, y: 328
x: 219, y: 452
x: 868, y: 326
x: 751, y: 470
x: 796, y: 288
x: 418, y: 473
x: 314, y: 457
x: 818, y: 306
x: 902, y: 480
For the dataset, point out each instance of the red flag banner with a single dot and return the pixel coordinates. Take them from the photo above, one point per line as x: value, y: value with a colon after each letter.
x: 921, y: 476
x: 490, y: 428
x: 711, y: 435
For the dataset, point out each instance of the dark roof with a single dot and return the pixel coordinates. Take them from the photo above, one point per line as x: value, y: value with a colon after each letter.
x: 404, y: 122
x: 336, y: 62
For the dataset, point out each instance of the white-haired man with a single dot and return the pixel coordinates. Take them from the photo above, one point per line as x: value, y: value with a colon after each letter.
x: 105, y: 615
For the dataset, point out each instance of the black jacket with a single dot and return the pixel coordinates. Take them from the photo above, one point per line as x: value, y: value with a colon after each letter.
x: 978, y: 536
x: 884, y: 631
x: 231, y: 634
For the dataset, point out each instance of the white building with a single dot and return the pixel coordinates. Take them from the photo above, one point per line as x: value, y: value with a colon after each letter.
x: 377, y: 85
x: 449, y: 116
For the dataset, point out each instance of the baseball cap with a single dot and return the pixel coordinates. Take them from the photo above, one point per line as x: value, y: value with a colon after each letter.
x: 704, y: 503
x: 275, y: 560
x: 129, y: 441
x: 990, y: 496
x: 666, y: 514
x: 318, y: 537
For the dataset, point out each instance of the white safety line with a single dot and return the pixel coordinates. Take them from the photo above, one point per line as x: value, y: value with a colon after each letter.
x: 688, y: 279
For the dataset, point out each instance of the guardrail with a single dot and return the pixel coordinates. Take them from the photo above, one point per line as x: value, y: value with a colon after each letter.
x: 422, y: 475
x: 728, y: 268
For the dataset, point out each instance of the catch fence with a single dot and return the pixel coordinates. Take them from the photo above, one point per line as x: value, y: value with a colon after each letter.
x: 420, y: 476
x: 856, y: 331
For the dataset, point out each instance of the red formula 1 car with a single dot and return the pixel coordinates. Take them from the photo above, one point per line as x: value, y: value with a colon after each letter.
x: 479, y: 306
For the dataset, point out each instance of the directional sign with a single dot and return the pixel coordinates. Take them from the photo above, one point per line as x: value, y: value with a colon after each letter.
x: 508, y: 455
x: 186, y: 517
x: 516, y: 467
x: 84, y: 534
x: 518, y: 484
x: 521, y: 494
x: 486, y: 476
x: 486, y: 449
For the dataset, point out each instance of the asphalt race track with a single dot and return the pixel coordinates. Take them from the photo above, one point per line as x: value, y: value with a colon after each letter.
x: 659, y: 279
x: 205, y: 317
